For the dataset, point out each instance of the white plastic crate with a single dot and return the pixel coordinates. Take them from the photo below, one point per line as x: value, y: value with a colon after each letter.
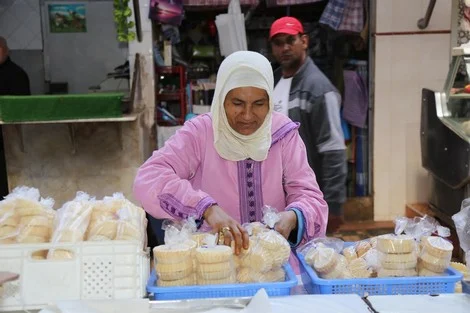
x: 98, y: 270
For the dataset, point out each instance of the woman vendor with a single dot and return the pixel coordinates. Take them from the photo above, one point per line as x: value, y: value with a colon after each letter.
x: 223, y: 167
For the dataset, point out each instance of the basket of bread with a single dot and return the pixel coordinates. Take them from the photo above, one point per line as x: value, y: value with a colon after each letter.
x: 192, y: 264
x: 415, y: 259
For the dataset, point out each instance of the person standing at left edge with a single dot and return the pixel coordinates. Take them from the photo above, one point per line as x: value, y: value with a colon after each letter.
x: 13, y: 82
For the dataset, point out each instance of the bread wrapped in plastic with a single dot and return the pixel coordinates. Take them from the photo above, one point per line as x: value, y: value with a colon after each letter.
x: 435, y: 255
x: 396, y: 244
x: 249, y: 275
x: 402, y: 261
x: 215, y: 263
x: 329, y: 264
x: 33, y: 216
x: 359, y: 268
x: 323, y: 242
x: 71, y: 223
x: 174, y: 261
x: 350, y: 253
x: 199, y: 238
x: 373, y: 261
x: 104, y: 218
x: 132, y: 224
x: 9, y: 222
x: 255, y: 228
x: 268, y: 249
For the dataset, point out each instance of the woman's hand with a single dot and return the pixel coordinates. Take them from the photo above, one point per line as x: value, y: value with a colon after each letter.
x: 220, y: 221
x: 287, y: 223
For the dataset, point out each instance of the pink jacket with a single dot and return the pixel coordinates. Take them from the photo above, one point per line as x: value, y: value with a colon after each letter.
x: 187, y: 176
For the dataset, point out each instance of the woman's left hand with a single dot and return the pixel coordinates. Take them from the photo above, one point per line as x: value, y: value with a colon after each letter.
x: 287, y: 223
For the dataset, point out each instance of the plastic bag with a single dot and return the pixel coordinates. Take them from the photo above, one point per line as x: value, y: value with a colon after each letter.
x: 254, y: 228
x: 328, y: 263
x: 132, y: 224
x: 215, y: 263
x: 71, y: 223
x: 462, y: 225
x: 104, y: 218
x: 419, y: 227
x: 363, y: 259
x: 175, y: 260
x: 267, y: 252
x: 231, y: 29
x: 397, y: 256
x: 324, y: 242
x: 32, y: 214
x: 9, y: 222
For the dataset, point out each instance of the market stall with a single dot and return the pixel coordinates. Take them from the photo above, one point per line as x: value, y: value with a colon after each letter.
x: 89, y: 255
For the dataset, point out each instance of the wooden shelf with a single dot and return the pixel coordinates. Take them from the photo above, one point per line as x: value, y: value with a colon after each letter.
x: 71, y: 127
x: 169, y: 96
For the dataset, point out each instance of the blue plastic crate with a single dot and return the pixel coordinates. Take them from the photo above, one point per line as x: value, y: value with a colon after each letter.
x: 378, y: 286
x: 221, y: 291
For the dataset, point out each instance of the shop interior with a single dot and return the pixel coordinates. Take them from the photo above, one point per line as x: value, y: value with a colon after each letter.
x: 186, y: 87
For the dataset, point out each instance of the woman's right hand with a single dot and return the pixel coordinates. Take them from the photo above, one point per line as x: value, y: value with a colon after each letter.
x: 216, y: 217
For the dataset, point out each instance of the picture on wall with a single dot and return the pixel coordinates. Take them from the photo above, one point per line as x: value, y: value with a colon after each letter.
x: 166, y: 11
x: 67, y: 18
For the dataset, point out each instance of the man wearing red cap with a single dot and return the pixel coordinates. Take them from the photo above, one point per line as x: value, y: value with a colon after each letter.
x: 306, y: 95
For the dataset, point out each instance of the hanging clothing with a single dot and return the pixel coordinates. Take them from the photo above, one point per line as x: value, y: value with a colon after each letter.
x: 333, y: 13
x: 353, y: 17
x: 356, y: 99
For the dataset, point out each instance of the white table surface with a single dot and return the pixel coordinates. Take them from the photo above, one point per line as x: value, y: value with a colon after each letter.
x: 319, y: 304
x: 297, y: 304
x: 455, y: 303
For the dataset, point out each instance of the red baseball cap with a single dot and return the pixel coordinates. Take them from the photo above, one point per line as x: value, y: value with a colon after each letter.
x: 286, y: 25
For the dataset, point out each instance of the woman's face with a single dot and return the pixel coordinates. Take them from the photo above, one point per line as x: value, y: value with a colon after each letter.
x: 246, y: 109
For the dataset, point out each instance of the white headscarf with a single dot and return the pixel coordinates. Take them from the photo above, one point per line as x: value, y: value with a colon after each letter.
x: 242, y: 69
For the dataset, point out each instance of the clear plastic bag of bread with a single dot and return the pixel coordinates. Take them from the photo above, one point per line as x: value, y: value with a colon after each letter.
x: 462, y: 227
x: 9, y: 222
x: 309, y: 249
x: 104, y: 219
x: 214, y: 263
x: 27, y: 215
x: 362, y: 258
x: 132, y: 223
x: 328, y: 263
x: 71, y: 224
x: 268, y: 251
x: 255, y: 228
x: 434, y: 252
x: 402, y: 254
x: 175, y: 260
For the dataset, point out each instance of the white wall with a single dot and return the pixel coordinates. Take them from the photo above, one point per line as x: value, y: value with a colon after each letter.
x: 404, y: 64
x: 83, y: 59
x: 20, y: 24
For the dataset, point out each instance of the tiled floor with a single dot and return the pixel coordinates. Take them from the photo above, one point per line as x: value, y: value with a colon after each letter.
x: 362, y: 230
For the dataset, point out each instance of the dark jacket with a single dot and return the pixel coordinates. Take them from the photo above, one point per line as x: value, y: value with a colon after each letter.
x: 315, y: 103
x: 13, y: 79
